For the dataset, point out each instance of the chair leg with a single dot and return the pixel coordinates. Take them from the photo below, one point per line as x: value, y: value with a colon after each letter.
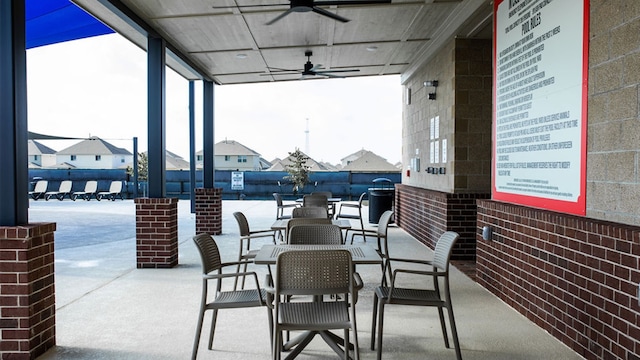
x: 213, y: 328
x: 444, y: 327
x: 380, y: 325
x: 346, y: 344
x: 454, y: 332
x: 374, y: 319
x: 196, y: 341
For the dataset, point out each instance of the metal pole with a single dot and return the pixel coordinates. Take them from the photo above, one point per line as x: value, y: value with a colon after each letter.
x: 208, y: 129
x: 135, y: 167
x: 192, y: 146
x: 156, y: 127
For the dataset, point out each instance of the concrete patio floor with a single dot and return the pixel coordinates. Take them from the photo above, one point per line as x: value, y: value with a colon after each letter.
x: 108, y: 309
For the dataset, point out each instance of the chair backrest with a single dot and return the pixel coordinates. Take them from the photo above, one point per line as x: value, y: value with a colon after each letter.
x: 278, y: 198
x: 41, y: 186
x: 209, y: 253
x: 443, y: 250
x: 309, y: 212
x: 116, y: 186
x: 315, y: 234
x: 383, y: 223
x: 243, y: 224
x: 361, y: 198
x: 91, y: 186
x: 299, y: 221
x: 65, y: 186
x: 328, y: 194
x: 315, y: 200
x: 314, y: 272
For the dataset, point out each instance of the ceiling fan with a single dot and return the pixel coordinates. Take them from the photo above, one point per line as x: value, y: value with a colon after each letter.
x: 312, y: 5
x: 311, y: 70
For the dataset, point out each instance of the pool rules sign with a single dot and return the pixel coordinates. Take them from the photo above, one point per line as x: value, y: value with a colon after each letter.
x: 540, y: 103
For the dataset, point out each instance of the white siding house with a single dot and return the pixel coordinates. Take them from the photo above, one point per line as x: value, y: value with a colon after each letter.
x: 231, y: 155
x: 94, y: 153
x: 40, y: 156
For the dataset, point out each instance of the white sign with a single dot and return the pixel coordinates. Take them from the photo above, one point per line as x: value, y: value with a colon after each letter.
x: 540, y: 101
x: 237, y: 180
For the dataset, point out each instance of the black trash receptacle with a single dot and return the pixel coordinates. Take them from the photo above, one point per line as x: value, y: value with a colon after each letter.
x: 381, y: 197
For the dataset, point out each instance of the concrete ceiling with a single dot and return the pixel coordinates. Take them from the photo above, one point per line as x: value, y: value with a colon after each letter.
x: 234, y: 45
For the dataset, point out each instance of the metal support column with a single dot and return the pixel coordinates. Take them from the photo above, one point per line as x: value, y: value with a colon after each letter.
x: 192, y: 146
x: 208, y: 142
x: 156, y: 70
x: 13, y: 115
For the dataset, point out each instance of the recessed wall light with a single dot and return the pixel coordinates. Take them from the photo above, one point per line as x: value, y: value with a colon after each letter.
x: 372, y: 48
x: 241, y: 56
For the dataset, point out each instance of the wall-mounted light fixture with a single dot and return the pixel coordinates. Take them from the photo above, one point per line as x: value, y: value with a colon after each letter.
x: 434, y: 85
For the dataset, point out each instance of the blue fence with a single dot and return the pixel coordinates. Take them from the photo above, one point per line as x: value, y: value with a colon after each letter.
x: 258, y: 185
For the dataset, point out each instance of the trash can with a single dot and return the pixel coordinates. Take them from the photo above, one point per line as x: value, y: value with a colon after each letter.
x: 381, y: 197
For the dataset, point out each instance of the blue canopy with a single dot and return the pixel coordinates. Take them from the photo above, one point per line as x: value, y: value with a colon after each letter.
x: 55, y: 21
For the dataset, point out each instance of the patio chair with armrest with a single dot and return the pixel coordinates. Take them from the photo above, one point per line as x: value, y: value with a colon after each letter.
x: 352, y: 211
x: 315, y: 273
x: 246, y: 253
x: 63, y: 190
x: 90, y: 189
x: 280, y: 209
x: 315, y: 234
x: 438, y: 296
x: 212, y: 269
x: 331, y: 207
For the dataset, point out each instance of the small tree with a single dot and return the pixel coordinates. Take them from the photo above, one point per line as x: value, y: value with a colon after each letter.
x: 298, y: 170
x: 143, y: 166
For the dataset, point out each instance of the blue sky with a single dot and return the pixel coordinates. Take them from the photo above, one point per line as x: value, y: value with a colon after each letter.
x: 97, y: 87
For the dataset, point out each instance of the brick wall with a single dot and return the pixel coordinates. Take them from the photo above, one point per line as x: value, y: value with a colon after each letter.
x: 575, y: 277
x: 426, y: 214
x: 27, y: 291
x: 208, y: 205
x: 156, y: 232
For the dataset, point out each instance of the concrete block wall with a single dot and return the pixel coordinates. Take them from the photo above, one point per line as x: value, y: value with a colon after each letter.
x: 27, y: 291
x: 156, y: 232
x: 426, y: 214
x: 575, y: 277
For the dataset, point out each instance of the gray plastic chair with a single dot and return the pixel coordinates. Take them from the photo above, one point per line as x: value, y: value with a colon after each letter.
x: 438, y: 296
x: 316, y: 273
x: 212, y: 269
x: 281, y: 207
x: 352, y: 211
x: 245, y: 251
x: 315, y: 200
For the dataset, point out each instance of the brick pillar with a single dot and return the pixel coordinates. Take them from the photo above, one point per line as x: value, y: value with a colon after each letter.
x: 27, y: 291
x: 156, y: 232
x: 209, y: 211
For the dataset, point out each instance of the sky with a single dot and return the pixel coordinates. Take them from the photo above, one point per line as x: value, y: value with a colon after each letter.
x: 97, y: 87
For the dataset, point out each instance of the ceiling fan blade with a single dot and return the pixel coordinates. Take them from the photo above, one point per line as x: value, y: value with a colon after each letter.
x: 329, y: 75
x: 326, y: 13
x: 351, y: 2
x: 337, y: 71
x: 277, y: 18
x: 247, y: 6
x: 281, y: 70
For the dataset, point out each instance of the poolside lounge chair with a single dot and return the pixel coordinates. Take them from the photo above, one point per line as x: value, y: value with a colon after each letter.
x: 115, y: 190
x: 63, y: 190
x: 39, y: 190
x: 90, y: 189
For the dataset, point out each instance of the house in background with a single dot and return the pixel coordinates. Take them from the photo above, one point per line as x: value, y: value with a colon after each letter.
x: 349, y: 158
x: 94, y: 153
x: 368, y: 161
x: 40, y: 156
x: 281, y: 165
x: 232, y: 155
x: 176, y: 162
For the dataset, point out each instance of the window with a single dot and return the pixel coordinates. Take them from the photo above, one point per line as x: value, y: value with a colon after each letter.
x: 98, y: 157
x: 73, y: 158
x: 198, y: 157
x: 36, y: 157
x: 122, y: 160
x: 227, y: 158
x: 242, y: 158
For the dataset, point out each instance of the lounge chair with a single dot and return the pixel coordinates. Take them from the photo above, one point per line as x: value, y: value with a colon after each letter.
x: 90, y: 189
x: 39, y: 190
x: 63, y: 190
x: 115, y: 190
